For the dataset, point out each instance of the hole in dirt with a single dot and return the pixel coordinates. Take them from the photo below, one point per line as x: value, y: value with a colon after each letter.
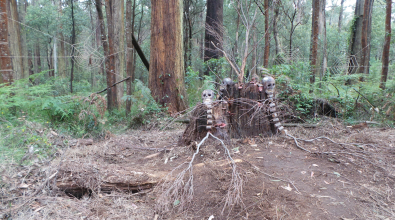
x: 78, y: 193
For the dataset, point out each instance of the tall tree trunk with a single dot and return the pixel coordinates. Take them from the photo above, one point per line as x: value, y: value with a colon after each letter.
x: 187, y: 49
x: 235, y: 48
x: 275, y: 30
x: 360, y: 36
x: 166, y: 77
x: 314, y: 40
x: 25, y: 58
x: 15, y: 39
x: 6, y: 72
x: 254, y: 54
x: 130, y: 14
x: 72, y: 49
x: 387, y: 43
x: 110, y: 65
x: 340, y: 16
x: 364, y: 37
x: 214, y: 19
x: 61, y: 50
x: 267, y: 36
x: 322, y: 27
x: 119, y: 46
x: 37, y: 57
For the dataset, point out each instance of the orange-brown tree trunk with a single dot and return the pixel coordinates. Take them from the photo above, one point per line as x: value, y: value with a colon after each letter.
x: 130, y: 9
x: 387, y: 43
x: 111, y: 93
x: 267, y: 36
x: 166, y: 76
x: 15, y: 39
x: 314, y: 40
x: 6, y: 73
x: 119, y: 45
x: 214, y: 20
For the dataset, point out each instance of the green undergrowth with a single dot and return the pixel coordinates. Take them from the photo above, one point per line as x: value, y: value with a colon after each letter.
x: 31, y: 109
x: 353, y: 99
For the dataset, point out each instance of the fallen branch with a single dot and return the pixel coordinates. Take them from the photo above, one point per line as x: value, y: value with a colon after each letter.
x: 112, y: 85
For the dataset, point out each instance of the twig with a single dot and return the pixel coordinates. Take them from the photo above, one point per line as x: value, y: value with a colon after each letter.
x: 257, y: 169
x: 112, y: 85
x: 45, y: 183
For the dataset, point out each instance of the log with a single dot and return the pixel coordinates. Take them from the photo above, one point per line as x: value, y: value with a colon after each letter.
x: 77, y: 178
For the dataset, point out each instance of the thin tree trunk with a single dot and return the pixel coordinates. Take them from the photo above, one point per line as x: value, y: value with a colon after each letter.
x: 166, y: 77
x: 72, y: 49
x: 119, y: 46
x: 324, y: 60
x: 235, y: 48
x: 314, y: 40
x: 61, y: 50
x: 254, y: 54
x: 340, y: 16
x: 6, y: 72
x: 186, y: 29
x: 364, y: 38
x: 267, y: 36
x: 387, y: 43
x: 275, y: 31
x: 93, y: 71
x: 25, y: 58
x: 110, y: 66
x: 214, y: 20
x: 130, y: 14
x: 37, y: 57
x: 15, y: 39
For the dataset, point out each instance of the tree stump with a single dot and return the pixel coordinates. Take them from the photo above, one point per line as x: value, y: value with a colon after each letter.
x: 241, y: 111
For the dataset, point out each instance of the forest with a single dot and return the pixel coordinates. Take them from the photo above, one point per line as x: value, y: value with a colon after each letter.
x: 197, y: 109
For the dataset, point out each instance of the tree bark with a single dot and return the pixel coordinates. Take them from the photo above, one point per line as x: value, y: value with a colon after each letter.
x: 267, y: 36
x: 72, y: 49
x: 214, y: 19
x: 322, y: 27
x: 314, y: 40
x: 6, y: 72
x: 25, y: 58
x: 130, y: 14
x: 15, y: 39
x: 119, y: 46
x: 109, y: 61
x: 110, y: 66
x: 360, y: 36
x: 61, y: 50
x: 387, y: 43
x: 275, y: 30
x: 364, y: 37
x: 37, y: 57
x: 166, y: 76
x: 340, y: 16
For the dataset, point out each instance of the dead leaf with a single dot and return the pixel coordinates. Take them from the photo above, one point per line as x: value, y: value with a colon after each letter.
x: 287, y: 187
x: 23, y: 186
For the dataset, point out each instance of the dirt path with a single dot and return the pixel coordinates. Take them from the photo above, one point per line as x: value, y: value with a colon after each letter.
x: 114, y: 178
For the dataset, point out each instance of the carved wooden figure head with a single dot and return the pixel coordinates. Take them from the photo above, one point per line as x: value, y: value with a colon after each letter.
x: 207, y: 96
x: 269, y: 84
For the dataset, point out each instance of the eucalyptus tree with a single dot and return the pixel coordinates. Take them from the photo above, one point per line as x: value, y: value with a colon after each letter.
x: 166, y: 72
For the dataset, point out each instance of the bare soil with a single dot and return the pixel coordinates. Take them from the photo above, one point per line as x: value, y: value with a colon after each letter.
x: 120, y: 177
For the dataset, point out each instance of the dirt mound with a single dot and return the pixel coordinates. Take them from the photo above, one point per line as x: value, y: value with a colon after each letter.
x: 349, y: 176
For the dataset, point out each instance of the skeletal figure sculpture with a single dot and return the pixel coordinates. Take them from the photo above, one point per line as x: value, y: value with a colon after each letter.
x: 207, y: 99
x: 223, y: 88
x: 207, y: 96
x: 269, y: 85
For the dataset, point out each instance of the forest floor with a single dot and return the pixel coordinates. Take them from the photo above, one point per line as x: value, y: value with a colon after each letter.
x: 119, y: 177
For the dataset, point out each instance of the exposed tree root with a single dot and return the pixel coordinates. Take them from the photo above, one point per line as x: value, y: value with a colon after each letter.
x: 178, y: 192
